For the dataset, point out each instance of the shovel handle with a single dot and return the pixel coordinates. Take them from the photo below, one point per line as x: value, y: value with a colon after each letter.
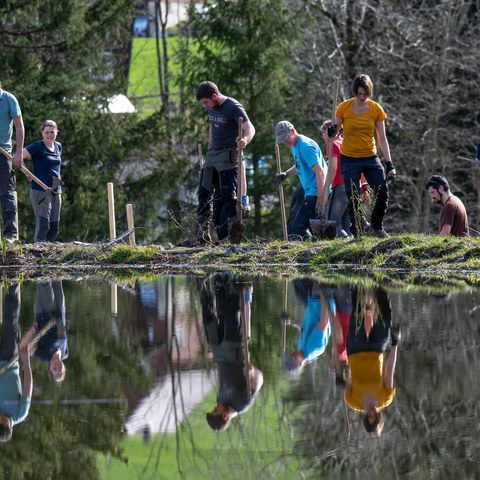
x: 280, y: 192
x: 330, y: 146
x: 26, y: 171
x: 240, y: 170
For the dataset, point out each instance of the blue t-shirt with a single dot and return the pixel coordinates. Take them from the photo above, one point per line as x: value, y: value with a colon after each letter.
x: 307, y: 154
x: 9, y: 109
x: 46, y: 164
x: 224, y: 123
x: 12, y: 403
x: 312, y: 341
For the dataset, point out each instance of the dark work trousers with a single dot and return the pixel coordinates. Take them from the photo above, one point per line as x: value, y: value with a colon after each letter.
x: 222, y: 197
x: 373, y: 170
x: 9, y: 207
x: 296, y: 202
x: 47, y: 214
x: 221, y: 313
x: 11, y: 327
x: 377, y: 341
x: 301, y: 224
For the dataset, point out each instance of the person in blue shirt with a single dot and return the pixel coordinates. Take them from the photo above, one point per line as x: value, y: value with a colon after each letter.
x: 14, y: 400
x: 315, y: 329
x: 310, y: 167
x: 10, y: 116
x: 46, y: 155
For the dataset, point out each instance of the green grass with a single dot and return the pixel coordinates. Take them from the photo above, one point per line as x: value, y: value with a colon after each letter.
x: 250, y: 447
x: 143, y: 84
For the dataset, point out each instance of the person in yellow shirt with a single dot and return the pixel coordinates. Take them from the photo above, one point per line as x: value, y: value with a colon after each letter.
x: 360, y: 117
x: 370, y: 383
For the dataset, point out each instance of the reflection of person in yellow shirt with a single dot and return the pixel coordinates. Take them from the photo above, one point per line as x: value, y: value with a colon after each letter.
x: 370, y: 387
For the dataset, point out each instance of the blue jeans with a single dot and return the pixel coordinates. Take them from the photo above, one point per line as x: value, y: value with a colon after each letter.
x: 337, y: 210
x: 377, y: 341
x: 373, y: 170
x: 306, y: 211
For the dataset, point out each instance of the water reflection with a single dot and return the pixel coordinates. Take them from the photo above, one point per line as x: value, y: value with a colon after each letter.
x: 14, y: 399
x: 226, y: 311
x: 148, y: 360
x: 369, y: 385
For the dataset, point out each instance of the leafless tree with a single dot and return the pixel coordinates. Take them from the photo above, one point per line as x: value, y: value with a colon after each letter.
x: 423, y: 57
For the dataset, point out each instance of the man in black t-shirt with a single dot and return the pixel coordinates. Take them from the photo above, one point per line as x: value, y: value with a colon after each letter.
x: 218, y: 180
x: 221, y: 311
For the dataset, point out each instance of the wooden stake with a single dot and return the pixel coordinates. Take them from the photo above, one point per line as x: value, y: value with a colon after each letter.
x: 200, y: 156
x: 113, y: 298
x: 111, y: 211
x: 130, y: 225
x: 328, y: 180
x: 16, y: 213
x: 280, y: 192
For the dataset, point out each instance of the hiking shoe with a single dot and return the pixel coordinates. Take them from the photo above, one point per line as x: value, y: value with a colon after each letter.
x: 380, y: 233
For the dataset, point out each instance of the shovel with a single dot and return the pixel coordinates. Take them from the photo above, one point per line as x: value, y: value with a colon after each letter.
x: 237, y: 229
x: 323, y: 227
x: 55, y: 181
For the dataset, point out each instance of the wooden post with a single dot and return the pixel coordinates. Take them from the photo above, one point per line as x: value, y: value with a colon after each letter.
x: 130, y: 224
x: 328, y: 178
x: 111, y: 211
x: 200, y: 156
x: 113, y: 298
x: 16, y: 213
x: 282, y: 198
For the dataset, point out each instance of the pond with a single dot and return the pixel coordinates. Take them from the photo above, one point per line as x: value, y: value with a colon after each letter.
x: 125, y: 374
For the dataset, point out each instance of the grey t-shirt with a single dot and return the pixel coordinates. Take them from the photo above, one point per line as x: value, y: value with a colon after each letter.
x: 224, y: 123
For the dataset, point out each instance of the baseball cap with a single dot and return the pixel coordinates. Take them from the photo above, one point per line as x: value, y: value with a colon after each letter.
x: 281, y: 131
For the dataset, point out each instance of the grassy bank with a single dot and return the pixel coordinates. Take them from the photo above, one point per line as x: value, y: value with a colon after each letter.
x: 412, y: 257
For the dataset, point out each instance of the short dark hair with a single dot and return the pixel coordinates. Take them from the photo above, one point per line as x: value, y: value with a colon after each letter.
x: 206, y: 90
x: 362, y: 81
x: 5, y: 433
x: 217, y: 422
x: 436, y: 181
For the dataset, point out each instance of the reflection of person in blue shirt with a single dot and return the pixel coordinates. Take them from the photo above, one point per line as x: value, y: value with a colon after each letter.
x: 14, y: 402
x: 315, y: 329
x: 52, y: 346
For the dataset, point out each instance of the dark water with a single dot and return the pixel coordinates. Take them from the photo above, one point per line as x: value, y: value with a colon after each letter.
x: 141, y: 375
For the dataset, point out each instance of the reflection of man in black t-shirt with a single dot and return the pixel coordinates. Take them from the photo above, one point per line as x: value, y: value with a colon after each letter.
x: 223, y: 327
x: 52, y: 346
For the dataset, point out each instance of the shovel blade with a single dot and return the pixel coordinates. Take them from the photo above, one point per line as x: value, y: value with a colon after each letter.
x: 323, y: 228
x: 56, y: 182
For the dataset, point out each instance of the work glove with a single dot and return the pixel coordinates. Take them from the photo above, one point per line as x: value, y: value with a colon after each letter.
x: 319, y: 208
x: 395, y: 335
x: 332, y: 131
x: 390, y: 173
x: 280, y: 177
x: 245, y: 206
x: 364, y: 192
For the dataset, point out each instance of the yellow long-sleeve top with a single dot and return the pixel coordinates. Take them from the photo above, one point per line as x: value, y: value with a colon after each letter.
x: 366, y: 370
x: 359, y: 128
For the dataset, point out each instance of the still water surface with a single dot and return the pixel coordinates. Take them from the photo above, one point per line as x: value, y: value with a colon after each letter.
x: 146, y: 361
